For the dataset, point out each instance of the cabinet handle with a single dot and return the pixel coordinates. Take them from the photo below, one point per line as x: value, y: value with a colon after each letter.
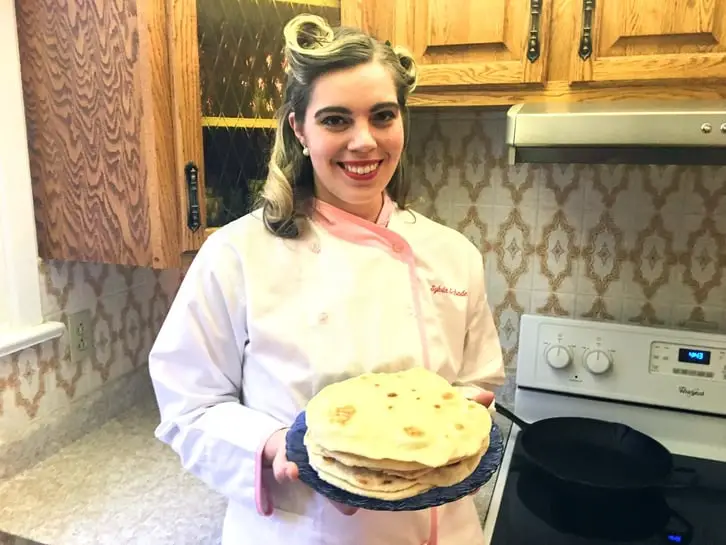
x: 585, y: 51
x: 191, y: 174
x: 533, y: 49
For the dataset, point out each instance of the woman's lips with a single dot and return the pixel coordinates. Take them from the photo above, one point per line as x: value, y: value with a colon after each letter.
x: 361, y: 171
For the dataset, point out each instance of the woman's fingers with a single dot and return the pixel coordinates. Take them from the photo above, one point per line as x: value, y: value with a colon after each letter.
x: 292, y: 471
x: 283, y: 470
x: 347, y: 510
x: 484, y: 397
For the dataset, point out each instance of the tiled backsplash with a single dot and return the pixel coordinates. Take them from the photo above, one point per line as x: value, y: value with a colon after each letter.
x: 631, y: 244
x: 127, y: 307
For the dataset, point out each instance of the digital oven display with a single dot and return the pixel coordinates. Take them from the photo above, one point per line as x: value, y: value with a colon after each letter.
x: 691, y: 355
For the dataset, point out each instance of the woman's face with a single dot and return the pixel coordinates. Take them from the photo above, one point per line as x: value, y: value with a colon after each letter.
x: 354, y: 132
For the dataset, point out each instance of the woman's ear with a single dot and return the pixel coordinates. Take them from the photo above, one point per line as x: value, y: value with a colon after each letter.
x: 296, y: 128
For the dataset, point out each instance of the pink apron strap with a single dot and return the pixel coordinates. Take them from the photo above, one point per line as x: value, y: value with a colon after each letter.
x: 433, y: 528
x: 262, y: 498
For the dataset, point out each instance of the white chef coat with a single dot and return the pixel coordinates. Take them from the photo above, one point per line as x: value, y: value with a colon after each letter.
x: 260, y: 324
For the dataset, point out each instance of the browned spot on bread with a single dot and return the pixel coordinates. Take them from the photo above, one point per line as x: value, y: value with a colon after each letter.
x: 387, y: 482
x: 393, y: 394
x: 390, y: 406
x: 328, y: 459
x: 413, y: 431
x: 459, y: 426
x: 472, y: 405
x: 343, y: 414
x: 437, y: 406
x: 418, y: 399
x: 376, y: 385
x: 448, y: 395
x: 362, y: 480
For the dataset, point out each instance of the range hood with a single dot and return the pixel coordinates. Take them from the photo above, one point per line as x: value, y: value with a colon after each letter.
x: 629, y: 132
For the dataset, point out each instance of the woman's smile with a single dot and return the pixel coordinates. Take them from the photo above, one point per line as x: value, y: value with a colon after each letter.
x: 361, y: 171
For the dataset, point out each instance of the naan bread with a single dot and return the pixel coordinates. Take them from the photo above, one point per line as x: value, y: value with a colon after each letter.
x: 366, y: 482
x: 447, y: 475
x: 354, y: 460
x: 452, y: 474
x: 413, y: 416
x: 409, y: 470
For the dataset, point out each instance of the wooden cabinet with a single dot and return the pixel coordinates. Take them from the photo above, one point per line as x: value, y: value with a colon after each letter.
x: 651, y: 40
x: 501, y: 52
x: 96, y: 82
x: 498, y: 42
x: 463, y: 42
x: 148, y: 119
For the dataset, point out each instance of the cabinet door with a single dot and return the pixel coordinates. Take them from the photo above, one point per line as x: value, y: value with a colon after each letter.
x: 475, y: 42
x: 98, y: 111
x: 383, y: 19
x: 622, y: 40
x: 227, y: 66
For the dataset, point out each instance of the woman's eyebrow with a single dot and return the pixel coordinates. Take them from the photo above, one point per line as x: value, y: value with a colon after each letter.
x: 332, y: 110
x: 385, y: 106
x: 345, y: 111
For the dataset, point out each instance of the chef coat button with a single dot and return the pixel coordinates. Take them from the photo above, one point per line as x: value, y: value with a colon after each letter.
x: 323, y: 317
x: 315, y: 247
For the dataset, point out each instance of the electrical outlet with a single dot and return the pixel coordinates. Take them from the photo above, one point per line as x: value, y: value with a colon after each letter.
x: 81, y: 335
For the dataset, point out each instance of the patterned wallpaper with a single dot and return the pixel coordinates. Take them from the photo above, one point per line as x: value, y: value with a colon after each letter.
x: 644, y: 245
x: 127, y: 307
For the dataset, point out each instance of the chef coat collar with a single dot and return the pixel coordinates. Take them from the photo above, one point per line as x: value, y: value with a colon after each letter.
x: 355, y: 229
x: 333, y: 215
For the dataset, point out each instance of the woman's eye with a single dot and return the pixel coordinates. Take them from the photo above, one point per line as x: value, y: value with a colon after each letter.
x: 385, y: 116
x: 334, y: 121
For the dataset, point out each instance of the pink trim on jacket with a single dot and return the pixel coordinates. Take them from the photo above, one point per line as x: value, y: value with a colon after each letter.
x: 262, y: 497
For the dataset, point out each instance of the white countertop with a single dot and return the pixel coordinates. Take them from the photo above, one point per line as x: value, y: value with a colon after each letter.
x: 119, y: 485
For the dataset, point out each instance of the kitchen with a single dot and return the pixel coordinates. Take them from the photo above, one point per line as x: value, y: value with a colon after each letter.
x: 617, y: 243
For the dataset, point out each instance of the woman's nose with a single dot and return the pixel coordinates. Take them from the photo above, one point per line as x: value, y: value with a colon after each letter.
x: 362, y: 139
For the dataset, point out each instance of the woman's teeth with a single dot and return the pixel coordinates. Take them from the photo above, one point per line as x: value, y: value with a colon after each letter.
x: 361, y: 169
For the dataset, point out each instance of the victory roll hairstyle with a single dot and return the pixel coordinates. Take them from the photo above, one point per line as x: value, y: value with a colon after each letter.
x: 312, y: 49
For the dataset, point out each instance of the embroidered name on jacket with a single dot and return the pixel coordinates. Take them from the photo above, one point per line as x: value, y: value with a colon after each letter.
x: 449, y: 291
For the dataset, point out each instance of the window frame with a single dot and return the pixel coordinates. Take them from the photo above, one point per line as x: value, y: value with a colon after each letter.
x: 21, y: 314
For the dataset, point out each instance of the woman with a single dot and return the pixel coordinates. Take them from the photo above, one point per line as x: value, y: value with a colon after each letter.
x: 330, y: 278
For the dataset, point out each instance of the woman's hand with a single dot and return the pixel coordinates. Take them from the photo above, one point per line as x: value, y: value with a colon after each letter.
x: 274, y: 456
x: 485, y: 397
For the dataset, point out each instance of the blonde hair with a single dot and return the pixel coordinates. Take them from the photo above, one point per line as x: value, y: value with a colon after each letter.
x: 313, y: 48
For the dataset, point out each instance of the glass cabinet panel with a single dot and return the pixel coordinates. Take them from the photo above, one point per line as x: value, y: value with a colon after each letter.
x: 241, y: 76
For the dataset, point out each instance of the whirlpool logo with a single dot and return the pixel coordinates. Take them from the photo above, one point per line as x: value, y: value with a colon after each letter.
x: 691, y: 392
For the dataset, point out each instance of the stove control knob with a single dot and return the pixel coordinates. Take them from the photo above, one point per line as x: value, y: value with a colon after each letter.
x: 558, y: 356
x: 598, y: 361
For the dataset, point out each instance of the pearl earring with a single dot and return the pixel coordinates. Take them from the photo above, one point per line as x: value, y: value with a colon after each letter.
x: 306, y: 151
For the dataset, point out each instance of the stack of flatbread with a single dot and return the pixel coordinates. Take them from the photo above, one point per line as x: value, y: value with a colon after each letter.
x: 393, y: 436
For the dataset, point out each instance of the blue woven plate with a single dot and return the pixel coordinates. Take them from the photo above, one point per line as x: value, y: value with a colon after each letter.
x: 296, y: 452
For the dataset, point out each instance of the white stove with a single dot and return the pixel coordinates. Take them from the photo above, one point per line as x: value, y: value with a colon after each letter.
x: 669, y: 384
